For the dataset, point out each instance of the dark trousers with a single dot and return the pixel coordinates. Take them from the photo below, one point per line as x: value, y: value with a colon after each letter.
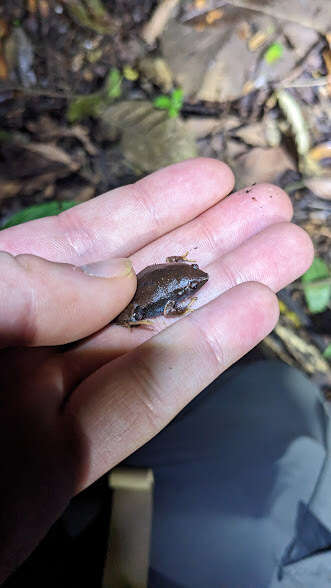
x: 236, y: 474
x: 242, y: 495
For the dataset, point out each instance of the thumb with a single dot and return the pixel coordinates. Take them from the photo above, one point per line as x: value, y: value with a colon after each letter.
x: 47, y: 303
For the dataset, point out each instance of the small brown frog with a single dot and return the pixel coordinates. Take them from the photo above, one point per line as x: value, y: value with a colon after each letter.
x: 160, y: 288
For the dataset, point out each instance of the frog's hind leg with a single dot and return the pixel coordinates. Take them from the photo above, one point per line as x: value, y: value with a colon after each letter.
x: 179, y: 258
x: 172, y: 308
x: 138, y: 323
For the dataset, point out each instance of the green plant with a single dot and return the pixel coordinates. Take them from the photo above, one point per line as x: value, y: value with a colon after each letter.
x: 273, y: 53
x: 92, y: 104
x: 172, y: 103
x: 317, y: 286
x: 37, y: 211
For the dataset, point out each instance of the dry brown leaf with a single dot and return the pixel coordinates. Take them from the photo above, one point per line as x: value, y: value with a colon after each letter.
x: 10, y: 188
x: 257, y: 40
x: 321, y: 151
x: 158, y: 139
x: 315, y: 15
x: 234, y: 149
x: 214, y: 15
x: 41, y: 182
x: 19, y: 54
x: 201, y: 127
x: 3, y: 28
x: 85, y: 194
x: 320, y: 186
x: 306, y: 354
x: 157, y: 70
x: 327, y: 59
x: 253, y: 134
x: 3, y: 66
x: 53, y: 153
x: 262, y: 165
x: 44, y: 8
x: 32, y: 6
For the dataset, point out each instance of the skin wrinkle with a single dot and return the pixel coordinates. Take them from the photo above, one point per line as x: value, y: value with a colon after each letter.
x: 29, y: 311
x: 147, y: 388
x: 145, y: 200
x: 209, y: 341
x: 207, y: 233
x: 226, y: 276
x: 77, y: 235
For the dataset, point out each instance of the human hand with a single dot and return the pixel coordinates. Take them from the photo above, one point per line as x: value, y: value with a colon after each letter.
x: 69, y: 414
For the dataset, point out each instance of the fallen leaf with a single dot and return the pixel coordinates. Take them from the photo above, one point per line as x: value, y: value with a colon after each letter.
x: 37, y: 211
x: 317, y: 295
x: 92, y: 15
x: 53, y: 153
x: 257, y: 40
x: 157, y: 71
x: 3, y: 66
x: 262, y: 165
x: 10, y: 188
x: 315, y: 15
x: 253, y: 134
x: 320, y: 186
x: 305, y: 353
x: 214, y: 64
x: 301, y: 38
x: 200, y: 127
x: 294, y: 115
x: 19, y: 56
x: 158, y: 139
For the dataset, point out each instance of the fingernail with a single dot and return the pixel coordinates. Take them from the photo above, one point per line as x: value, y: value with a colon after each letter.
x: 108, y: 268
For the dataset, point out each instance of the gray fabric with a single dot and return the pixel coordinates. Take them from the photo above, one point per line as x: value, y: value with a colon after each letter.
x: 242, y: 485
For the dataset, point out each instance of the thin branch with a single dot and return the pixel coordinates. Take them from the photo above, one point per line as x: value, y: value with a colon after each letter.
x: 322, y: 81
x: 38, y: 92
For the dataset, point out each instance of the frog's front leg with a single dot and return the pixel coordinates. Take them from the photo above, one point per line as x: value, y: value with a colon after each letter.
x: 179, y: 258
x: 172, y: 308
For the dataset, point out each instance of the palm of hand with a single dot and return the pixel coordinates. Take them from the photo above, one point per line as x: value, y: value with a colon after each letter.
x: 70, y: 414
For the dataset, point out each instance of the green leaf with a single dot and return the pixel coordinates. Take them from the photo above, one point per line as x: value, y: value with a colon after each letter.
x: 172, y: 112
x: 273, y: 53
x: 162, y: 102
x: 317, y: 296
x: 93, y: 104
x: 38, y: 211
x: 177, y: 98
x: 327, y: 352
x: 113, y: 85
x: 85, y: 106
x: 317, y: 271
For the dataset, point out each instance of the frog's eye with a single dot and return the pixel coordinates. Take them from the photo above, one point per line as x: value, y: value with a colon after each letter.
x: 180, y: 292
x: 194, y: 284
x: 137, y: 314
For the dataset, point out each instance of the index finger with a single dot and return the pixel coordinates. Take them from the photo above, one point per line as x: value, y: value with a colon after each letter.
x: 120, y: 222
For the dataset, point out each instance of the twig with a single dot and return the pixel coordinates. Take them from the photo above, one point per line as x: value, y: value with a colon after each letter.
x: 322, y: 81
x: 37, y: 92
x: 301, y: 64
x: 155, y: 26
